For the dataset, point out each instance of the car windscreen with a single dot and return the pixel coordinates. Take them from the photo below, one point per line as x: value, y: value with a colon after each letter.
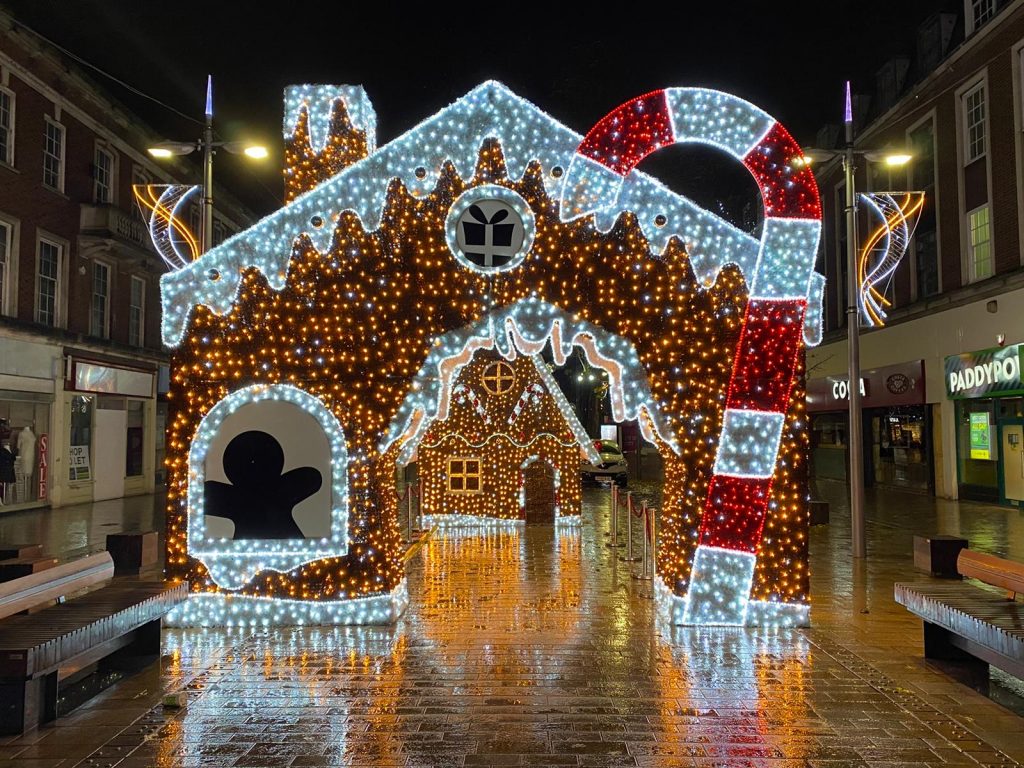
x: 607, y: 446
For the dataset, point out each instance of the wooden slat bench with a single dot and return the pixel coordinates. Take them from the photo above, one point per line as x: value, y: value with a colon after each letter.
x: 40, y: 650
x: 966, y: 622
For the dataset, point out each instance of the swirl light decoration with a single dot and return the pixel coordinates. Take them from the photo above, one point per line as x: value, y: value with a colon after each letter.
x: 352, y: 294
x: 161, y: 205
x: 883, y: 250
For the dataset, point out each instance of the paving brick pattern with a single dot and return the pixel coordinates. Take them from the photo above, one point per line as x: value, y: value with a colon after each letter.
x: 536, y: 648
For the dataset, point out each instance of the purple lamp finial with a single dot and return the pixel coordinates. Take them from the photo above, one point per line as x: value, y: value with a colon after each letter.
x: 848, y: 117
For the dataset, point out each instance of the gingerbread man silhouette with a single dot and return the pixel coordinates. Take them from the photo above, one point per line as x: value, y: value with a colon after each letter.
x: 259, y: 500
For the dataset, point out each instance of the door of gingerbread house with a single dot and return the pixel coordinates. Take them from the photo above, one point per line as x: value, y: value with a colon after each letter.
x: 539, y: 490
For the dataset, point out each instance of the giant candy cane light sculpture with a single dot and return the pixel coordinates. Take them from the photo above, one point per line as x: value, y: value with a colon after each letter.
x: 762, y: 375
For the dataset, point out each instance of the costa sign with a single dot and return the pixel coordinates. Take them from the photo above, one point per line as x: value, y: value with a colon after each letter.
x: 841, y: 389
x: 986, y: 373
x: 893, y: 385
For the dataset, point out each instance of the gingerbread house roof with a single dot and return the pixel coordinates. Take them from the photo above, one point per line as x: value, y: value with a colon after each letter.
x: 455, y: 134
x: 539, y: 382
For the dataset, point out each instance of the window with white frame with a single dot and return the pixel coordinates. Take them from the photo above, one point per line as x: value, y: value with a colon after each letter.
x: 6, y: 126
x: 103, y: 177
x: 137, y: 312
x: 6, y: 257
x: 53, y: 155
x: 974, y: 123
x: 978, y: 12
x: 980, y: 253
x: 99, y: 317
x: 464, y: 475
x: 49, y: 264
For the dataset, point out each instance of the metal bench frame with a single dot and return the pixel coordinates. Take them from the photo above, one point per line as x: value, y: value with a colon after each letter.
x: 112, y: 624
x: 971, y: 624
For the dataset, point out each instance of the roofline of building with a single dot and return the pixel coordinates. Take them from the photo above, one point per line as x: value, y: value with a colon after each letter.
x: 944, y: 66
x: 127, y: 120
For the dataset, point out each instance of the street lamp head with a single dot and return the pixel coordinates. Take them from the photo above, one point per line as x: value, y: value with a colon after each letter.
x: 895, y: 160
x: 167, y: 149
x: 812, y: 155
x: 254, y: 151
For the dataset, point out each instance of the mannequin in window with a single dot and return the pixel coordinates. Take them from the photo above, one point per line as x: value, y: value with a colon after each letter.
x: 7, y: 475
x: 25, y: 461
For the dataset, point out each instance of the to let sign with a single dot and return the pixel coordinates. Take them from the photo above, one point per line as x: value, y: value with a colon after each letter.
x: 78, y: 462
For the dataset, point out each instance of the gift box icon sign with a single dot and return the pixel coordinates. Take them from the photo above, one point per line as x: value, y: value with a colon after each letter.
x: 475, y: 233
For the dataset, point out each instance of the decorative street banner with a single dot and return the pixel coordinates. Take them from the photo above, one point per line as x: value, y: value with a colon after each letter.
x: 981, y: 444
x: 985, y: 373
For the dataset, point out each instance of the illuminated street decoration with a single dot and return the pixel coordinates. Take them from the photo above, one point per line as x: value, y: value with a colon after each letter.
x: 161, y: 205
x: 501, y: 431
x: 899, y: 213
x: 352, y: 294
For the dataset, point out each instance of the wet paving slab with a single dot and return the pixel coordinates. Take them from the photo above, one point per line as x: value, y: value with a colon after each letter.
x: 535, y: 647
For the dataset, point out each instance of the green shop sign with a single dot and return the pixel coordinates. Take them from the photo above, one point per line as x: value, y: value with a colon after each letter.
x: 987, y: 373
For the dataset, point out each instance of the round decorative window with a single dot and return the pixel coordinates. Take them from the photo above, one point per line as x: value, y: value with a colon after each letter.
x: 498, y: 378
x: 490, y: 229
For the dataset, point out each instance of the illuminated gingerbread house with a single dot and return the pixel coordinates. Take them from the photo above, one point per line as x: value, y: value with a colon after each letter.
x: 509, y: 447
x: 329, y: 339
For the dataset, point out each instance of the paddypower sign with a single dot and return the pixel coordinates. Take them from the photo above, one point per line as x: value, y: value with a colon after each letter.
x: 987, y: 373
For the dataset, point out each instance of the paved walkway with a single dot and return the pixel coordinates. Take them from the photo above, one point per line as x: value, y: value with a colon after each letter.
x: 536, y: 648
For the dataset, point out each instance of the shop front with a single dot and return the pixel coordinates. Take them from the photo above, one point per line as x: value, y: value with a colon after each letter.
x: 988, y: 395
x: 109, y: 413
x: 896, y: 427
x: 26, y: 404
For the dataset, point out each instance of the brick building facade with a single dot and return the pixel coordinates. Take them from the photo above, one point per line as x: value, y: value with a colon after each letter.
x: 957, y: 105
x: 80, y: 351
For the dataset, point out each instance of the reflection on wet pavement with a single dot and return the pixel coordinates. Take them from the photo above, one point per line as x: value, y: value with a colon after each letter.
x: 535, y: 647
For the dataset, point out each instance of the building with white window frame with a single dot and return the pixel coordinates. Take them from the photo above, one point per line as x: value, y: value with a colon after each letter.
x: 81, y: 363
x: 957, y: 300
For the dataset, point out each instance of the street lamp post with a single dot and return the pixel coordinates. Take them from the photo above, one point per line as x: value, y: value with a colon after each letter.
x: 855, y: 440
x: 208, y: 147
x: 208, y: 168
x: 856, y: 437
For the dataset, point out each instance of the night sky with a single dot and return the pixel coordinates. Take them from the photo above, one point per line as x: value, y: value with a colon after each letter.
x: 790, y: 59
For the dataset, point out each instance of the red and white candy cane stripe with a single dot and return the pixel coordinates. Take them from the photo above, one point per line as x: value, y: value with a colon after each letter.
x: 766, y: 356
x: 463, y: 394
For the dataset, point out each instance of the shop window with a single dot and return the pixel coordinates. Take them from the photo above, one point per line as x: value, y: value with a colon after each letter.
x: 80, y: 438
x: 136, y: 434
x: 24, y: 452
x: 464, y: 475
x: 977, y: 450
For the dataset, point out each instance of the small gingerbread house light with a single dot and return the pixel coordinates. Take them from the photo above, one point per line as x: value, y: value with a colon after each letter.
x: 509, y: 448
